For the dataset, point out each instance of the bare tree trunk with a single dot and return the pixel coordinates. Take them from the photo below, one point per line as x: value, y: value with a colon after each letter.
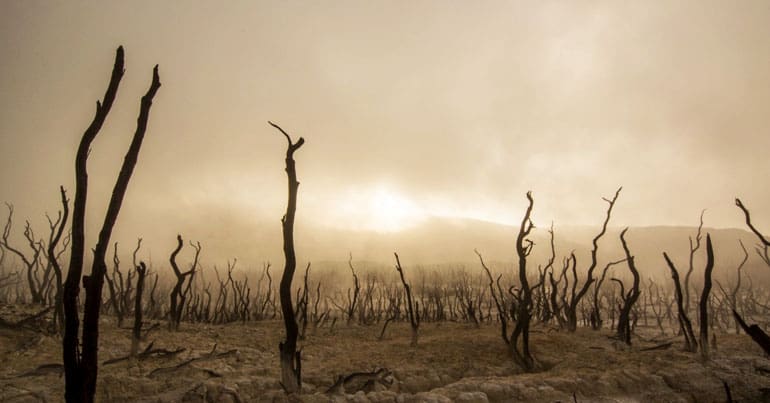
x: 75, y: 390
x: 624, y: 323
x: 519, y: 345
x: 690, y: 343
x: 693, y: 248
x: 136, y: 335
x: 351, y: 309
x: 571, y: 308
x: 81, y: 369
x: 414, y: 318
x: 291, y: 363
x: 178, y: 297
x: 53, y: 259
x: 704, y: 300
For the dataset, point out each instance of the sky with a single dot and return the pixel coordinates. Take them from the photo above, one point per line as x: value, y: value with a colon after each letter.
x: 409, y: 109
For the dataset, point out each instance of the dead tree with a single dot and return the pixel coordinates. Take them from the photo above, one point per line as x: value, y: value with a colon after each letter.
x: 30, y: 262
x: 178, y: 295
x: 693, y: 248
x: 499, y: 298
x: 519, y: 340
x: 656, y: 304
x: 412, y: 309
x: 763, y: 250
x: 80, y: 361
x: 574, y: 301
x: 733, y: 297
x: 704, y: 300
x: 629, y: 299
x: 351, y: 308
x: 136, y: 333
x: 118, y: 286
x: 596, y: 316
x: 268, y: 300
x: 685, y: 325
x: 546, y: 309
x: 302, y: 303
x: 291, y: 361
x: 53, y: 259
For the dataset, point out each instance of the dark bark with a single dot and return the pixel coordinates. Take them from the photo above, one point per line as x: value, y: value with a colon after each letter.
x: 178, y: 296
x: 54, y: 261
x: 690, y: 343
x: 414, y: 318
x: 519, y: 340
x: 704, y: 300
x: 351, y: 309
x: 136, y: 333
x: 499, y: 298
x: 75, y: 390
x: 291, y: 364
x: 81, y: 368
x: 693, y: 248
x: 763, y: 250
x: 755, y: 332
x: 596, y: 317
x: 571, y: 308
x: 630, y: 298
x: 762, y: 239
x: 30, y: 263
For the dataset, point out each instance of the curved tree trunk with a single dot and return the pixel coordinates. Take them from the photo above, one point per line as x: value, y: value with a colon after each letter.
x: 291, y: 364
x: 624, y: 321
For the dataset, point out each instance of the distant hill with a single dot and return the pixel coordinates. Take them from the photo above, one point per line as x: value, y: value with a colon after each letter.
x: 451, y: 241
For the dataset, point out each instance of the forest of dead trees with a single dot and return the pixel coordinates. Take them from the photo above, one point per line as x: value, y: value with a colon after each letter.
x: 562, y: 293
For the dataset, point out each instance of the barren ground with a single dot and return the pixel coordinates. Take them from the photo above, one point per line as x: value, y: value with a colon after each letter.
x: 453, y: 362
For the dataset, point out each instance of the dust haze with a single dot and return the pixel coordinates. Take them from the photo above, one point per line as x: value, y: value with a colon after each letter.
x: 445, y: 110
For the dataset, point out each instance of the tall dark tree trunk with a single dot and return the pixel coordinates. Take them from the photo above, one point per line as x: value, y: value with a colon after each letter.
x: 73, y: 374
x: 136, y: 333
x: 704, y: 300
x: 178, y: 296
x: 519, y: 340
x: 624, y: 322
x: 81, y: 369
x: 291, y: 364
x: 690, y: 343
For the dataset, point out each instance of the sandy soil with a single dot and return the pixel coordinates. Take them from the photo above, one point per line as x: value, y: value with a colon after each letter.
x: 453, y: 362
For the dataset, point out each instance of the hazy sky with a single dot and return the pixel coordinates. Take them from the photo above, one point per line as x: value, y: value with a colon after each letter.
x: 409, y: 108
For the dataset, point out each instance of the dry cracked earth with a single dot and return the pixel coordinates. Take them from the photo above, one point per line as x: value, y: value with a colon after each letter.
x: 453, y: 362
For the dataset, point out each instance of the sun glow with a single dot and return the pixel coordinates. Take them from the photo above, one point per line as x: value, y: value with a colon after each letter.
x: 379, y: 208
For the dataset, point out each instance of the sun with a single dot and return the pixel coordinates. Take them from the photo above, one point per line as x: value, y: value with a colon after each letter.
x: 390, y: 211
x: 380, y: 208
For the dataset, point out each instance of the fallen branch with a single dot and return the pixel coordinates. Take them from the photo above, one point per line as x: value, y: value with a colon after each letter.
x: 663, y: 346
x: 361, y: 381
x: 44, y: 369
x: 26, y: 321
x: 147, y: 353
x: 213, y: 355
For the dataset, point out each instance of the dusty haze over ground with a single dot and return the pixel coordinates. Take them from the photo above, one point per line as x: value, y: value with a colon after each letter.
x: 409, y: 110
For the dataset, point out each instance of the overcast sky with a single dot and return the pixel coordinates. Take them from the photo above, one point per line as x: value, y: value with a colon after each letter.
x: 408, y: 109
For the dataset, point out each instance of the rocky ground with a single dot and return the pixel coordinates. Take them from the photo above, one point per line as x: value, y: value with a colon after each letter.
x: 453, y: 362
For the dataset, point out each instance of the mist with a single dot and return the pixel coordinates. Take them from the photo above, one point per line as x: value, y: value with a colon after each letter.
x: 450, y: 110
